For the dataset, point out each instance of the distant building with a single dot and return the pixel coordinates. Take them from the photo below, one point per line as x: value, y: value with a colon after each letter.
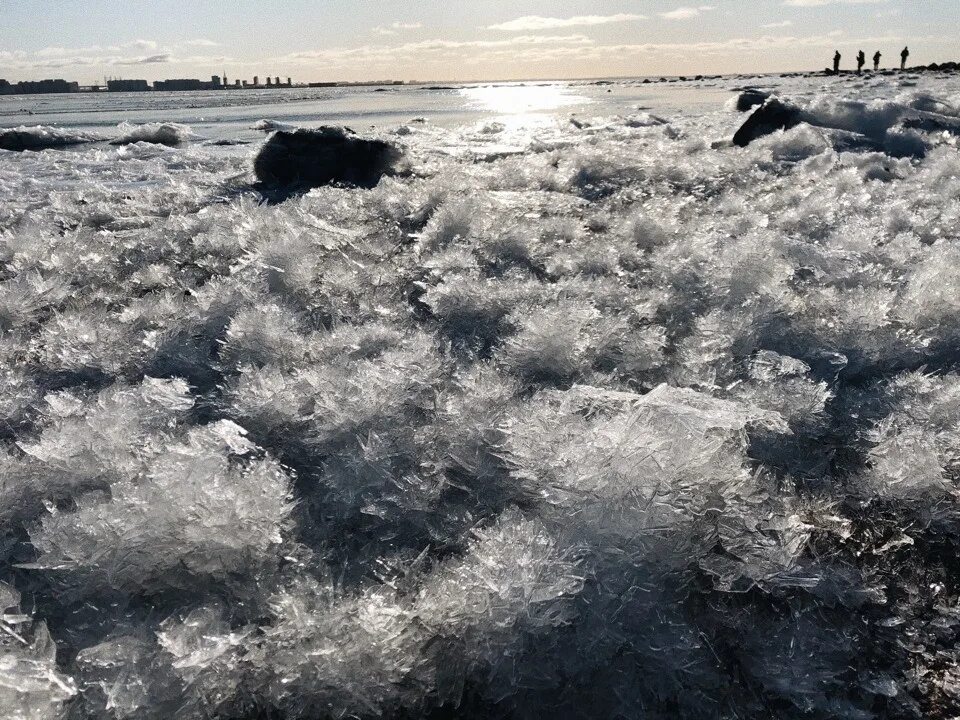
x: 236, y: 83
x: 215, y: 81
x: 289, y: 82
x: 182, y: 85
x: 269, y: 81
x: 256, y: 79
x: 6, y: 88
x: 128, y: 85
x: 277, y: 80
x: 43, y: 87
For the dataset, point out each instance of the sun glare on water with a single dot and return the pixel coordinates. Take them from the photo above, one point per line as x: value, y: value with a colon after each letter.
x: 524, y: 105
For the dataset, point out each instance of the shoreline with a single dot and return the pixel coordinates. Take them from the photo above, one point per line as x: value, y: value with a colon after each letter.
x: 948, y: 67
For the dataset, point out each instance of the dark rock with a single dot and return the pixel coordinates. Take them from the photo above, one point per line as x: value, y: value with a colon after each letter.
x: 750, y: 98
x: 325, y: 156
x: 19, y: 140
x: 773, y: 115
x: 931, y: 123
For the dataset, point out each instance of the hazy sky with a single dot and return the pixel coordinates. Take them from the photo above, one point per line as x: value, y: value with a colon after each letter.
x: 313, y: 40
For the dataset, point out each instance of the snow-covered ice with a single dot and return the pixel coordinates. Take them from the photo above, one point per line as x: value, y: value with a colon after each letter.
x: 626, y: 422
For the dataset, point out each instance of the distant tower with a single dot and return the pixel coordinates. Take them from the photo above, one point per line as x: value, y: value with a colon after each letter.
x: 256, y: 79
x: 225, y: 81
x: 277, y: 80
x: 215, y: 80
x: 269, y: 81
x: 289, y: 82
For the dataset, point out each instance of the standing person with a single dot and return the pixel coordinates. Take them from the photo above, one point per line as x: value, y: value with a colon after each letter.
x: 861, y: 61
x: 836, y: 63
x: 903, y: 58
x: 876, y: 61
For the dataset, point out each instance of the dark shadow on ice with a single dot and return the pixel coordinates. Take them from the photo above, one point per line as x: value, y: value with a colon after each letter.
x: 291, y: 163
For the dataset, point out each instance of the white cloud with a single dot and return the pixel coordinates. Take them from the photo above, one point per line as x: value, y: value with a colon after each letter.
x: 146, y: 46
x: 432, y: 48
x: 394, y: 27
x: 821, y: 3
x: 530, y: 23
x: 202, y: 42
x: 784, y: 24
x: 686, y: 13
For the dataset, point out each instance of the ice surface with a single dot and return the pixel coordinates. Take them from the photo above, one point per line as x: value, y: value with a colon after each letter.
x: 630, y: 423
x: 40, y: 137
x: 171, y: 134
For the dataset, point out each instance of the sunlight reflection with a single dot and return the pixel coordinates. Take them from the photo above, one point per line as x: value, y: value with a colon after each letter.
x: 524, y: 104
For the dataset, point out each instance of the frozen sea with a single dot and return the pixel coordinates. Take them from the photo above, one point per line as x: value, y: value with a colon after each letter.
x: 229, y: 114
x: 584, y: 412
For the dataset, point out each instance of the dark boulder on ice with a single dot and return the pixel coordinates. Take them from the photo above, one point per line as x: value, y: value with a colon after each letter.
x: 773, y: 115
x: 749, y: 99
x: 41, y: 137
x: 931, y: 123
x: 324, y: 156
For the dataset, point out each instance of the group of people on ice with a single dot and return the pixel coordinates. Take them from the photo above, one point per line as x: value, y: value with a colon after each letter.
x: 862, y: 60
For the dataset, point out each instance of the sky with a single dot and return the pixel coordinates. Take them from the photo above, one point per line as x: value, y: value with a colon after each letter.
x: 326, y: 40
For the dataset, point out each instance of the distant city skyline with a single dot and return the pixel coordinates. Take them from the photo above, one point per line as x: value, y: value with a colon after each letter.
x: 326, y: 40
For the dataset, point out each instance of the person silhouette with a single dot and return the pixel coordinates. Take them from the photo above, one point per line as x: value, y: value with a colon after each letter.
x: 861, y: 60
x: 876, y: 61
x: 903, y: 58
x: 836, y: 63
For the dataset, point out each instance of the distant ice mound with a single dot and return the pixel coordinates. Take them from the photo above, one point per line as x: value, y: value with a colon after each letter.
x: 271, y: 126
x: 878, y: 126
x: 41, y: 137
x: 170, y: 134
x: 325, y: 156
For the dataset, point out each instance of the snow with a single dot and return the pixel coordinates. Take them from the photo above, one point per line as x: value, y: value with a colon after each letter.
x: 171, y: 134
x: 630, y: 422
x: 40, y: 137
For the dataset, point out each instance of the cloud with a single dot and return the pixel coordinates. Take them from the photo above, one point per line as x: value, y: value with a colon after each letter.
x: 394, y: 27
x: 430, y: 48
x: 529, y: 23
x: 57, y: 58
x: 686, y: 13
x: 138, y: 45
x: 821, y: 3
x: 784, y: 24
x: 147, y: 60
x: 201, y: 42
x: 534, y: 49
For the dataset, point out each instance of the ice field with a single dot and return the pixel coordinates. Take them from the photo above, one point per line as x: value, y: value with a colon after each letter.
x: 583, y: 413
